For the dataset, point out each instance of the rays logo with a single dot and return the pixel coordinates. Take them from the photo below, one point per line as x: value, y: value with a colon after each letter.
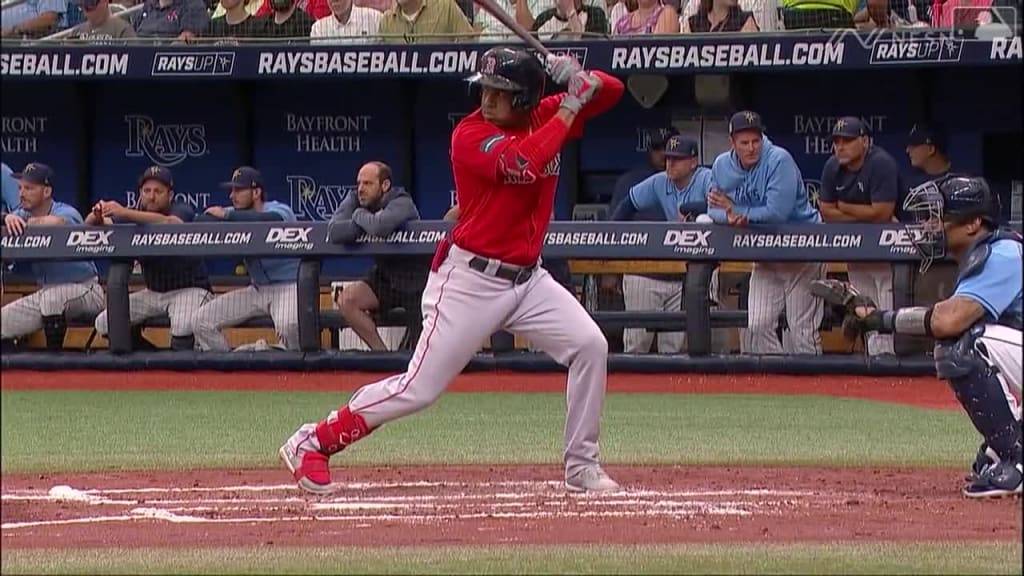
x: 813, y: 191
x: 164, y: 144
x: 315, y: 201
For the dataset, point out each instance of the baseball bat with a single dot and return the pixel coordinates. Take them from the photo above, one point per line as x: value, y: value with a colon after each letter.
x: 514, y: 26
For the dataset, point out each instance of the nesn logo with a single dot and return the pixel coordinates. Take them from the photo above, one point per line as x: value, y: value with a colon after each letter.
x: 193, y: 63
x: 580, y: 54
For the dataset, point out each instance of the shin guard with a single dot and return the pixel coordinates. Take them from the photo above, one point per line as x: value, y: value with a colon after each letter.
x: 341, y: 429
x: 54, y: 328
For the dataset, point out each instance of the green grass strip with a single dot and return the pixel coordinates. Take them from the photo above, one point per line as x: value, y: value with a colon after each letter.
x: 874, y: 558
x: 60, y: 431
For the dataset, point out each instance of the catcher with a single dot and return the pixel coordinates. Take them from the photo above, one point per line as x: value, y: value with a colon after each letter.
x: 977, y: 330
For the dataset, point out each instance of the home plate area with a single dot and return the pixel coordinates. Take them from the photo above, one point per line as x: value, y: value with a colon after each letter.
x: 449, y: 505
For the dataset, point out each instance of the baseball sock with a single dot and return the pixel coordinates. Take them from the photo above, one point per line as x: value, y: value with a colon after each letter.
x: 54, y: 328
x: 340, y: 429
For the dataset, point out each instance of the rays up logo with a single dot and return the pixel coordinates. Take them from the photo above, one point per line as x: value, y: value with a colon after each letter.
x: 312, y: 200
x: 164, y: 144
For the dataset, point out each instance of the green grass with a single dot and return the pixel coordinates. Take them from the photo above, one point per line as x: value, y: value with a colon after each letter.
x: 80, y: 431
x: 961, y: 558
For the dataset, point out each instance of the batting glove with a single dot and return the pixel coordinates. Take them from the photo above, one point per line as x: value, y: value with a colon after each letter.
x: 582, y: 87
x: 561, y: 68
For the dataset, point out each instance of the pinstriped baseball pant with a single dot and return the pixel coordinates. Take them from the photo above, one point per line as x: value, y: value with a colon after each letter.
x: 181, y: 306
x: 25, y: 315
x: 279, y: 301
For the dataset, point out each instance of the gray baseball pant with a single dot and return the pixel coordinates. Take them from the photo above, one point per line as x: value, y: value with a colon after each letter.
x: 181, y: 306
x: 279, y: 301
x: 25, y: 315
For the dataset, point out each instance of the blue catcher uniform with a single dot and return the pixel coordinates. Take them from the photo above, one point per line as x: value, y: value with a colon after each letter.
x: 983, y: 364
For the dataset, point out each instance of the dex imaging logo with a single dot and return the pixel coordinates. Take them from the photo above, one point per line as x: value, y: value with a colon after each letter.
x: 692, y: 242
x: 91, y: 241
x: 193, y: 63
x: 295, y: 239
x: 899, y: 241
x: 164, y: 144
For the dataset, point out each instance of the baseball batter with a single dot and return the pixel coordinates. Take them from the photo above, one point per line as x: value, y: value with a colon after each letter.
x: 486, y: 275
x: 759, y: 182
x: 273, y: 290
x: 861, y: 183
x: 977, y: 330
x: 66, y: 288
x: 679, y: 192
x: 176, y: 287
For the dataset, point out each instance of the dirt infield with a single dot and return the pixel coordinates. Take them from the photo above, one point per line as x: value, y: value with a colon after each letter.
x: 496, y: 505
x: 925, y: 392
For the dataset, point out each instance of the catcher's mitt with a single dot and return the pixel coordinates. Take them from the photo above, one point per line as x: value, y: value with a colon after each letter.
x: 838, y: 293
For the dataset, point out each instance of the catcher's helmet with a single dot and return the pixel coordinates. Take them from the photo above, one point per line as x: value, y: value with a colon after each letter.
x: 951, y: 198
x: 514, y: 70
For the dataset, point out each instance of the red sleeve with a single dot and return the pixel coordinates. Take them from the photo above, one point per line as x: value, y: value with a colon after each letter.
x: 488, y: 152
x: 264, y: 9
x: 318, y: 9
x: 608, y: 96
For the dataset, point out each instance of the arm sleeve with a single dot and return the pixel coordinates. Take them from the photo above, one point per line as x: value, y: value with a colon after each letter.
x: 780, y: 195
x: 183, y: 212
x: 253, y: 216
x: 388, y: 219
x: 341, y: 229
x: 643, y: 195
x: 624, y: 210
x: 207, y: 217
x: 997, y: 285
x: 828, y: 182
x: 69, y: 214
x: 884, y: 182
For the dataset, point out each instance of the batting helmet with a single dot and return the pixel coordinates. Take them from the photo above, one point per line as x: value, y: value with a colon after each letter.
x: 513, y: 70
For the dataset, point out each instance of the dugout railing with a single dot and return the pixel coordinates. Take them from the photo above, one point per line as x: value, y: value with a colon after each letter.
x: 703, y: 247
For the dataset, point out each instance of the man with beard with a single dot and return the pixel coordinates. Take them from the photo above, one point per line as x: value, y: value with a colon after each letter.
x: 175, y: 286
x: 288, y: 21
x: 378, y: 209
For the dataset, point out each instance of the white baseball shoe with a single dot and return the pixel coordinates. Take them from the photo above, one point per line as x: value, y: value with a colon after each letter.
x: 591, y: 479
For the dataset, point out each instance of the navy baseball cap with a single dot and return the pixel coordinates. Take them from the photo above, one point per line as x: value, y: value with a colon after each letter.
x: 924, y: 135
x: 745, y: 120
x: 158, y: 173
x: 660, y: 136
x: 681, y: 147
x: 35, y: 173
x: 849, y: 127
x: 245, y: 177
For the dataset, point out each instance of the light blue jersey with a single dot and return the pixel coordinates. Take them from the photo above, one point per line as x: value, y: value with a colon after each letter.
x: 9, y: 187
x: 658, y: 191
x: 997, y: 287
x: 264, y: 271
x: 49, y: 273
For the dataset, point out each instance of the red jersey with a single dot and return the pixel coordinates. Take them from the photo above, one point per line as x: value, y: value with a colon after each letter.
x: 505, y: 180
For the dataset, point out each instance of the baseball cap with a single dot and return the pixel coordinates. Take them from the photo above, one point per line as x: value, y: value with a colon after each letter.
x: 681, y: 147
x: 244, y: 177
x: 922, y: 134
x: 745, y: 120
x: 849, y: 127
x: 158, y: 173
x: 35, y: 173
x: 660, y: 136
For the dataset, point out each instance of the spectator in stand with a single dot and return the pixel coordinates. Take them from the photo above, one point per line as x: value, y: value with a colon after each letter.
x: 719, y: 16
x: 758, y: 182
x: 316, y: 8
x: 288, y: 21
x: 426, y: 21
x: 567, y: 19
x: 181, y: 19
x: 346, y: 24
x: 64, y: 287
x: 236, y: 22
x: 33, y: 18
x: 860, y: 183
x: 650, y: 17
x: 824, y: 14
x: 616, y: 9
x: 251, y: 7
x: 491, y: 30
x: 100, y: 25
